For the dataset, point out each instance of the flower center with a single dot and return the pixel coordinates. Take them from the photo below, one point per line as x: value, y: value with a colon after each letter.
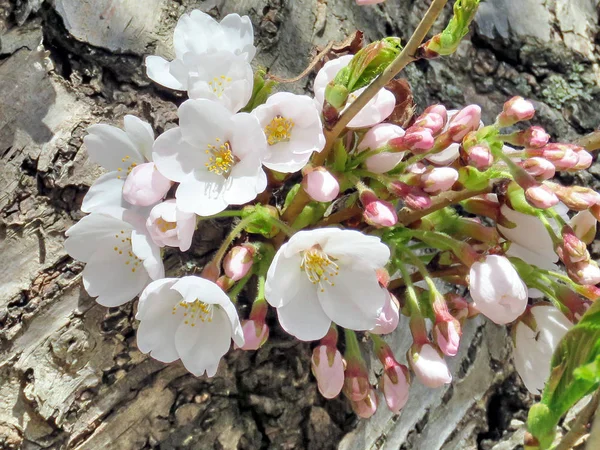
x: 319, y: 267
x: 219, y: 84
x: 165, y: 226
x: 123, y: 247
x: 221, y: 160
x: 279, y: 130
x: 194, y: 311
x: 129, y: 169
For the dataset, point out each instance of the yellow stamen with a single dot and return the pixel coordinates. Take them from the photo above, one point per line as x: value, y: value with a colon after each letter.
x: 319, y: 267
x: 194, y: 311
x: 165, y: 226
x: 279, y: 130
x: 222, y: 158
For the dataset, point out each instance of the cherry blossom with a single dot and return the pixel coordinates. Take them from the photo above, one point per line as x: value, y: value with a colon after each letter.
x: 326, y: 275
x: 377, y: 138
x: 215, y: 155
x: 189, y: 318
x: 429, y: 366
x: 171, y: 227
x: 376, y: 110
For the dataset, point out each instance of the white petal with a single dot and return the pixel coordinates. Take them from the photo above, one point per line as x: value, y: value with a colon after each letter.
x: 106, y: 191
x: 174, y: 157
x: 377, y: 110
x: 241, y: 185
x: 302, y: 315
x: 141, y: 135
x: 201, y: 193
x: 530, y: 257
x: 201, y: 347
x: 239, y: 35
x: 248, y: 139
x: 283, y: 278
x: 109, y: 146
x: 145, y: 249
x: 202, y: 122
x: 325, y: 75
x: 303, y: 240
x: 355, y: 300
x: 158, y: 321
x: 92, y: 233
x: 107, y: 277
x: 158, y: 70
x: 446, y: 156
x: 354, y: 245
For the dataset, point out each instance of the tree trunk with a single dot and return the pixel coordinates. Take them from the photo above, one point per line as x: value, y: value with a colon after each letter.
x: 70, y: 372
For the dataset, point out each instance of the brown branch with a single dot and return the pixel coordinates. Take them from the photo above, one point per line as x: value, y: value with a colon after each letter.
x: 590, y: 141
x: 594, y: 439
x: 340, y: 216
x: 580, y: 426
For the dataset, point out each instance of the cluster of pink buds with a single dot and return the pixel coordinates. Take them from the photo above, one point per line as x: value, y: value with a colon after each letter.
x: 573, y: 252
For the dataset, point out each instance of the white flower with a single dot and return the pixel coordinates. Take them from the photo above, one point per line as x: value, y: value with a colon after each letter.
x: 215, y: 155
x: 377, y: 138
x: 496, y: 289
x: 222, y: 77
x: 190, y: 319
x: 169, y: 226
x: 120, y: 257
x: 429, y: 366
x: 292, y: 125
x: 198, y: 33
x: 326, y: 275
x: 377, y: 110
x: 534, y: 348
x: 118, y: 151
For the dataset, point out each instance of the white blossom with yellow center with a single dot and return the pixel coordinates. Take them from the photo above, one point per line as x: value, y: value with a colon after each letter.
x: 120, y: 257
x: 215, y: 155
x: 190, y: 319
x: 293, y: 129
x: 327, y: 275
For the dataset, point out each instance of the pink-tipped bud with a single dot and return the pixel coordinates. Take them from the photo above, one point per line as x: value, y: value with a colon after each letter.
x: 414, y: 197
x: 328, y: 368
x: 321, y: 185
x: 378, y: 213
x: 238, y: 262
x: 585, y: 160
x: 395, y: 385
x: 377, y: 138
x: 440, y: 110
x: 535, y: 137
x: 389, y: 317
x: 433, y: 121
x: 572, y: 249
x: 584, y: 226
x: 465, y: 121
x: 541, y: 196
x: 383, y: 277
x: 255, y: 334
x: 515, y: 110
x: 417, y: 139
x: 145, y: 185
x: 366, y: 407
x: 563, y: 156
x: 577, y: 198
x: 356, y: 380
x: 586, y: 273
x: 225, y: 283
x: 539, y: 168
x: 439, y: 179
x: 480, y: 156
x: 447, y: 336
x: 428, y: 365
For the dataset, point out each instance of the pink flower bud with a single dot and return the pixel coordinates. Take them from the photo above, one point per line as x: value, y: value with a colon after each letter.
x: 225, y: 283
x: 515, y: 110
x: 577, y: 198
x: 168, y: 226
x: 238, y: 262
x: 541, y: 196
x: 378, y: 213
x: 255, y: 334
x: 417, y: 139
x: 366, y: 407
x: 465, y: 121
x: 395, y: 385
x: 377, y: 138
x: 428, y: 365
x: 563, y: 156
x: 439, y: 179
x: 414, y: 197
x: 572, y: 249
x: 321, y: 185
x: 480, y: 157
x: 586, y: 273
x: 447, y: 336
x: 440, y: 110
x: 539, y: 168
x: 584, y: 226
x: 390, y: 316
x: 328, y: 368
x: 145, y: 185
x: 535, y: 137
x: 356, y: 380
x: 430, y: 120
x: 585, y: 160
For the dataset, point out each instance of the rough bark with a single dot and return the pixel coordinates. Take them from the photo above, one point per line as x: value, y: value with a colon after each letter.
x: 70, y: 373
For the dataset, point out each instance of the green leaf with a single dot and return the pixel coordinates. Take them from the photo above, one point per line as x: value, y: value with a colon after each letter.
x: 575, y: 373
x: 448, y: 40
x: 340, y: 156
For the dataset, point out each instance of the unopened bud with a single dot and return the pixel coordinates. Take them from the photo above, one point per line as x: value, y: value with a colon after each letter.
x: 584, y: 226
x: 577, y: 198
x: 433, y: 121
x: 465, y: 121
x: 414, y: 197
x: 586, y: 273
x: 563, y: 156
x: 145, y: 185
x: 328, y: 368
x: 377, y: 138
x: 515, y: 110
x: 428, y: 365
x: 416, y: 139
x: 238, y: 262
x: 447, y: 336
x: 572, y: 249
x: 395, y: 385
x: 535, y: 137
x: 439, y: 179
x: 389, y: 317
x: 377, y: 212
x: 321, y: 185
x: 480, y: 156
x: 541, y: 196
x: 367, y: 406
x: 585, y: 160
x: 255, y: 334
x: 440, y: 110
x: 539, y: 168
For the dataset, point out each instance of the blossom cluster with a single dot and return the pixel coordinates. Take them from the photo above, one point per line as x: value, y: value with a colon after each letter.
x: 358, y: 243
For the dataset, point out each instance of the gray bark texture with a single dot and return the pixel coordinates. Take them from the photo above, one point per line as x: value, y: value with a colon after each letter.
x: 71, y: 375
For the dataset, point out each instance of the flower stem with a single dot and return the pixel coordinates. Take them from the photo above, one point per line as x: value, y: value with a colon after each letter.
x: 239, y: 286
x: 352, y: 347
x: 417, y: 323
x: 218, y: 258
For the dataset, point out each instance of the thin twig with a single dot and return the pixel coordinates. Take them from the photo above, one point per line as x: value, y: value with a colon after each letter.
x: 579, y: 428
x: 340, y: 216
x: 306, y: 71
x: 590, y: 141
